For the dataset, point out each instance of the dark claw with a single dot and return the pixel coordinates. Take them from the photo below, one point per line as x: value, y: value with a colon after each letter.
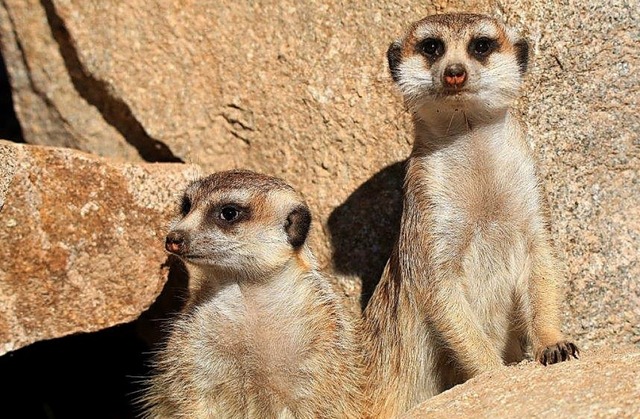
x: 561, y: 351
x: 575, y: 352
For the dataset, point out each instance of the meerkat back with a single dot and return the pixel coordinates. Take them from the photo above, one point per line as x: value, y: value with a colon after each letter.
x: 262, y: 334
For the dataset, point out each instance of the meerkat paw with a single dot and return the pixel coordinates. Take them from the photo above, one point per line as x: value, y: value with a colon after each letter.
x: 561, y: 351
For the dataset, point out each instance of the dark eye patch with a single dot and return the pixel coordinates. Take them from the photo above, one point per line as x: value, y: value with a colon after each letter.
x: 482, y: 47
x: 522, y: 54
x: 226, y: 215
x: 432, y: 48
x: 185, y: 205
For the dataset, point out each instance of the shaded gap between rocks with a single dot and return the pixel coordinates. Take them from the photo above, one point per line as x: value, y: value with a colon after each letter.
x: 70, y: 376
x: 96, y: 92
x: 9, y: 124
x: 101, y: 372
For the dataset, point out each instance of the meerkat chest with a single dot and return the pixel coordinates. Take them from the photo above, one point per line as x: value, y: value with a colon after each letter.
x: 482, y: 188
x: 483, y: 205
x: 254, y: 346
x: 483, y: 208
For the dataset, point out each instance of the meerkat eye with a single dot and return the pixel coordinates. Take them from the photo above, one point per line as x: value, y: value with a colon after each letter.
x: 431, y: 47
x: 482, y: 47
x: 229, y: 213
x: 185, y: 205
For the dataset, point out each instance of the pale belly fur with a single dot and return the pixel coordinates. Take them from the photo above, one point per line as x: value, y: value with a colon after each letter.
x: 503, y: 271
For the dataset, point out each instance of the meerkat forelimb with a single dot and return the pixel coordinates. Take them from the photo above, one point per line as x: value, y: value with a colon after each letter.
x: 262, y: 333
x: 472, y: 282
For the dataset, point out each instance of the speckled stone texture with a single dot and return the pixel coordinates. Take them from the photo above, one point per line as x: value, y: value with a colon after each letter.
x: 301, y: 90
x: 83, y: 240
x: 582, y: 109
x: 602, y: 384
x: 50, y: 109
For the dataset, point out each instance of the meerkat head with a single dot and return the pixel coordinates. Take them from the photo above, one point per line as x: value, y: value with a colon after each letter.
x: 458, y: 61
x: 239, y: 222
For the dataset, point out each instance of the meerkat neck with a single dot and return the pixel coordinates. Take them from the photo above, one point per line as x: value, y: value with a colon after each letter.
x: 299, y: 265
x: 206, y: 281
x: 438, y: 128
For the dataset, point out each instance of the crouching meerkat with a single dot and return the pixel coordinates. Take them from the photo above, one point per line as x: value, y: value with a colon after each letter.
x: 472, y: 281
x: 262, y: 334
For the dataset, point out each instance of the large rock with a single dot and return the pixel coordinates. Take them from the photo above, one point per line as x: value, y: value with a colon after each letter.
x: 55, y: 100
x: 603, y: 384
x: 83, y: 240
x: 301, y: 90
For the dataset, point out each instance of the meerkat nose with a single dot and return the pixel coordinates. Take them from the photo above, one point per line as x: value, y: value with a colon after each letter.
x: 176, y: 243
x: 455, y: 75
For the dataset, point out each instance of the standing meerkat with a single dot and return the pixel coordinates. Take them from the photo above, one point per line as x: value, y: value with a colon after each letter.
x: 262, y: 334
x: 472, y: 278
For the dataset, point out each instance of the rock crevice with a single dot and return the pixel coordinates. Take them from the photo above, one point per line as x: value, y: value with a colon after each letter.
x: 97, y: 93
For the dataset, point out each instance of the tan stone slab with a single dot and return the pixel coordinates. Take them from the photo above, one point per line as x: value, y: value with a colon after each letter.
x: 83, y: 240
x: 603, y: 384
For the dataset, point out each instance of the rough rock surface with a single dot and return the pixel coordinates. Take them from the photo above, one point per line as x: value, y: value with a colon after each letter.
x: 83, y: 240
x: 47, y: 96
x: 602, y: 384
x: 301, y: 90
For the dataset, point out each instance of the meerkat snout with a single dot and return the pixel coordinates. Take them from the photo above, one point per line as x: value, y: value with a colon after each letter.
x: 455, y: 75
x: 176, y: 242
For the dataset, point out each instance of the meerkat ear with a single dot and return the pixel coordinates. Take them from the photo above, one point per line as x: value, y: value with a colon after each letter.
x: 394, y: 56
x: 522, y: 54
x: 297, y: 225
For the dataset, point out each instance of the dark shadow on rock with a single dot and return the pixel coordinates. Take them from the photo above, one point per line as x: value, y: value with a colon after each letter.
x: 96, y: 92
x: 9, y: 125
x: 71, y: 376
x: 365, y: 227
x: 152, y: 324
x: 97, y: 375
